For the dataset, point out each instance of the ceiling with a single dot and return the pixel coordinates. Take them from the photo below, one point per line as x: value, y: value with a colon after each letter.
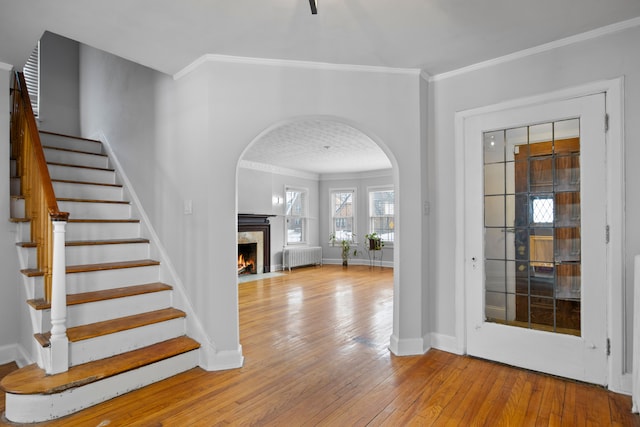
x: 435, y: 36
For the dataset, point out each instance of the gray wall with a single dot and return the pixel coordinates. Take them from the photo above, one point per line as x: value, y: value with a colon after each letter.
x: 182, y: 139
x: 59, y: 90
x: 589, y: 61
x: 361, y: 183
x: 256, y: 189
x: 10, y: 315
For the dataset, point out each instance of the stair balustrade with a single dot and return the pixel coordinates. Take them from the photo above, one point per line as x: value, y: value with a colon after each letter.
x: 46, y: 221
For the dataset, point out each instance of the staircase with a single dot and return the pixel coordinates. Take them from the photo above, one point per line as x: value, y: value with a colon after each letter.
x: 123, y: 331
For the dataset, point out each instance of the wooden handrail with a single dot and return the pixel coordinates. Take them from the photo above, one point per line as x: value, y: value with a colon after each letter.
x: 41, y: 207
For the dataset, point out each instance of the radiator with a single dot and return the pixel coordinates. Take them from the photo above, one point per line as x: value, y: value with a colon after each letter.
x: 296, y: 256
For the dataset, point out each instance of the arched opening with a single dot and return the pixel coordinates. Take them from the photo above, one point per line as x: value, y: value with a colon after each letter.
x: 318, y: 181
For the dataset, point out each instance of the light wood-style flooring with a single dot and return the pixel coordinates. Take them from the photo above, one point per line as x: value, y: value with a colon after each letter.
x: 315, y: 345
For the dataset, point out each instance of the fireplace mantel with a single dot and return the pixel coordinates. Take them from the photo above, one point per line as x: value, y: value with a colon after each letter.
x: 258, y: 222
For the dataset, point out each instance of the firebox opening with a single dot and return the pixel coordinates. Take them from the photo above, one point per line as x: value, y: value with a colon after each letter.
x: 247, y: 255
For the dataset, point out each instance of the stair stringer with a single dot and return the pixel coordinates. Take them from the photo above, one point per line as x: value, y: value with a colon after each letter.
x: 210, y: 358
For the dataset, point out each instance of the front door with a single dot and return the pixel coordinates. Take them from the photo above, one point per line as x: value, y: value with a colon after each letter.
x: 535, y: 237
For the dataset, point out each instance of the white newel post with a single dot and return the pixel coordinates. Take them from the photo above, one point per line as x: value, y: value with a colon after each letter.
x: 59, y: 341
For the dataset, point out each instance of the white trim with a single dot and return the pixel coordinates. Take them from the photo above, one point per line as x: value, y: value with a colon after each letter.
x: 615, y: 213
x: 325, y: 66
x: 578, y: 38
x: 278, y: 170
x: 5, y: 67
x: 381, y: 173
x: 14, y: 353
x: 210, y: 358
x: 408, y: 346
x: 447, y: 343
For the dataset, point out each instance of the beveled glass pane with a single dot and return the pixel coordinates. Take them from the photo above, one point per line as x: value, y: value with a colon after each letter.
x: 541, y: 132
x: 493, y: 147
x: 568, y: 244
x: 509, y: 178
x: 494, y: 182
x: 495, y: 275
x: 541, y: 174
x: 568, y: 281
x: 496, y: 306
x: 494, y: 243
x: 568, y: 317
x: 516, y: 143
x: 567, y: 209
x: 494, y: 215
x: 567, y: 175
x: 510, y: 210
x: 522, y: 277
x: 541, y: 245
x: 542, y: 313
x: 566, y: 129
x: 521, y: 244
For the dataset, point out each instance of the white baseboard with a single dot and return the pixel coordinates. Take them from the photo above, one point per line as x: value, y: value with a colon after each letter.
x: 408, y: 347
x: 211, y: 360
x: 14, y: 353
x: 448, y: 343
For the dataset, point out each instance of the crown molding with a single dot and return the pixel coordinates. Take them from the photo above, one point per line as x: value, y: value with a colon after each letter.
x: 5, y: 67
x: 382, y: 173
x: 263, y: 167
x: 293, y: 64
x: 588, y: 35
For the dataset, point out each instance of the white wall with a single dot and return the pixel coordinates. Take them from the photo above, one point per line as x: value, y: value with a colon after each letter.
x: 586, y: 62
x: 182, y: 140
x: 256, y: 189
x: 59, y: 101
x: 361, y: 182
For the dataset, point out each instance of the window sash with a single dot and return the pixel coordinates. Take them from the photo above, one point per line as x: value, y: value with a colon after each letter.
x: 382, y: 213
x: 343, y: 214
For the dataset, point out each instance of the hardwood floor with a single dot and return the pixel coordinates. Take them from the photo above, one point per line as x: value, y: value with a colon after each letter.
x: 315, y: 346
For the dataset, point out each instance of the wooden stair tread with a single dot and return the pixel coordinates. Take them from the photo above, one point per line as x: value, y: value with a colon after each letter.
x: 81, y: 268
x: 14, y: 219
x: 71, y: 150
x: 70, y: 181
x: 33, y: 380
x: 80, y: 166
x: 90, y: 242
x: 111, y: 265
x: 98, y: 329
x: 69, y: 199
x: 101, y: 221
x: 103, y: 295
x: 70, y: 136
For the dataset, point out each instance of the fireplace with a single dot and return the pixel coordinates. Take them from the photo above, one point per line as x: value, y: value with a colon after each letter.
x: 254, y: 244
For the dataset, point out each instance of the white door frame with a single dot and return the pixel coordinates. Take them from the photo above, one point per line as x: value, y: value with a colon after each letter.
x: 618, y: 380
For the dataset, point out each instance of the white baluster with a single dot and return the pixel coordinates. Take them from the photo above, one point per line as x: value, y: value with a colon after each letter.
x: 59, y: 341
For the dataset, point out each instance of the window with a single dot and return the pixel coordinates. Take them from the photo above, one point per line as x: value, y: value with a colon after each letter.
x: 381, y: 213
x: 32, y: 77
x: 296, y: 215
x: 542, y: 210
x: 343, y: 214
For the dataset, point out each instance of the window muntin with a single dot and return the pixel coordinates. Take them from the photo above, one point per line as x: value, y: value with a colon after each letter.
x: 296, y: 203
x: 381, y: 213
x: 343, y: 214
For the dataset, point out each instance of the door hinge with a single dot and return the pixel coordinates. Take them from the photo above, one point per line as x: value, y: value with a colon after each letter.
x: 606, y: 122
x: 607, y: 234
x: 608, y: 347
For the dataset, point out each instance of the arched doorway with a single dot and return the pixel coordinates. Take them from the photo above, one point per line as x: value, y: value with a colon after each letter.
x: 319, y: 165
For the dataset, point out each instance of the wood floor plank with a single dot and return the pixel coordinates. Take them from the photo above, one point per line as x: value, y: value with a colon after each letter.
x: 315, y: 346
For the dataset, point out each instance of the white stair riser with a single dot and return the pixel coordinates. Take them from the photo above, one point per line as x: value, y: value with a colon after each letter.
x: 16, y: 208
x: 102, y: 231
x: 23, y: 231
x: 45, y: 407
x: 109, y: 279
x: 70, y: 143
x: 78, y: 159
x: 91, y: 210
x: 71, y: 173
x: 109, y: 345
x: 34, y: 287
x: 81, y: 314
x: 94, y: 254
x: 87, y: 191
x: 28, y: 257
